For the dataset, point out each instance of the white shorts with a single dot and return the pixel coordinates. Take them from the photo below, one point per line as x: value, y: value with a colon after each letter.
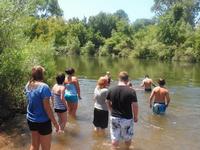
x: 121, y: 128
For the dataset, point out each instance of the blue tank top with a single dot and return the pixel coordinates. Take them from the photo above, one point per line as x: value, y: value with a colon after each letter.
x: 70, y: 89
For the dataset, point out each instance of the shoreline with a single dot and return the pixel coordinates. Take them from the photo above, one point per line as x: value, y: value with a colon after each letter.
x: 14, y: 133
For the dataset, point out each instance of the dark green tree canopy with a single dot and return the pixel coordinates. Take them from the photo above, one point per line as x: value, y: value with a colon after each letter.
x: 190, y: 8
x: 122, y: 15
x: 46, y: 8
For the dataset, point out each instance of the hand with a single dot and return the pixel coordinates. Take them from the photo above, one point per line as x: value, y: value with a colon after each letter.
x: 135, y: 119
x: 56, y: 126
x: 150, y: 105
x: 79, y: 97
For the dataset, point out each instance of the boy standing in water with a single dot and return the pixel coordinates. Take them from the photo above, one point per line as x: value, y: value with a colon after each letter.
x: 161, y: 98
x: 147, y: 83
x: 122, y: 102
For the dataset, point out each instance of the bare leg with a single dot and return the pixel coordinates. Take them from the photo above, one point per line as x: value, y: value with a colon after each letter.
x: 63, y: 118
x: 127, y: 144
x: 75, y: 106
x: 35, y: 141
x: 59, y: 120
x: 45, y: 141
x: 115, y: 145
x: 70, y: 107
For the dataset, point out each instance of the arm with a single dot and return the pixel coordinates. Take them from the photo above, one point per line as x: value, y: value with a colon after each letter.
x: 77, y: 87
x: 52, y: 101
x: 62, y: 92
x: 49, y: 112
x: 151, y: 98
x: 142, y: 84
x: 134, y: 107
x: 109, y: 105
x: 168, y: 98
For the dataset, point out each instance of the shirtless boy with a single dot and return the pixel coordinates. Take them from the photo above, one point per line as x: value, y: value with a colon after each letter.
x: 147, y: 83
x: 160, y: 98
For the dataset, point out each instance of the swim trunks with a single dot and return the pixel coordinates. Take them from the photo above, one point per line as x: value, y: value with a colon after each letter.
x: 148, y: 90
x: 121, y: 128
x: 159, y: 108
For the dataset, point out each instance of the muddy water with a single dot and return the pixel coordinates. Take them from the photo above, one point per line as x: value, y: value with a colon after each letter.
x: 179, y: 129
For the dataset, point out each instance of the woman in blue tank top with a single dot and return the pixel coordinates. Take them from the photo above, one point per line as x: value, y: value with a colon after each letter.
x: 72, y: 91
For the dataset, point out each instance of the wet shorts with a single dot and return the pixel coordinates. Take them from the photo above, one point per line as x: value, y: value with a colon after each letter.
x: 100, y: 118
x: 147, y: 90
x: 43, y: 128
x: 60, y: 110
x: 71, y: 98
x: 159, y: 108
x: 121, y: 128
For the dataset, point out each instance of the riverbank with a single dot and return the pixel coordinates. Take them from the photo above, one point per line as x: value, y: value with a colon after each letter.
x: 14, y: 133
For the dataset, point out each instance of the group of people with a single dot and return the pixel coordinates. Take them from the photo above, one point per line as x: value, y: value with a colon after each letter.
x: 40, y: 117
x: 120, y: 100
x: 159, y: 98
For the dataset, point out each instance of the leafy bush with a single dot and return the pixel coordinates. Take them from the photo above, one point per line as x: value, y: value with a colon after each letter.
x: 88, y: 49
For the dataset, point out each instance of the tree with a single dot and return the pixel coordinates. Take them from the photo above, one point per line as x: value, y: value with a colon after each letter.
x: 121, y: 15
x: 190, y: 8
x: 88, y: 49
x: 46, y: 8
x: 142, y: 23
x: 102, y: 23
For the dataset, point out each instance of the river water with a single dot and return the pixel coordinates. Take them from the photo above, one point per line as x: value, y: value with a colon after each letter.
x: 178, y: 129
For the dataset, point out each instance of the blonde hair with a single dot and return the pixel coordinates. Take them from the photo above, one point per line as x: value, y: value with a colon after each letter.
x: 102, y: 82
x: 123, y: 76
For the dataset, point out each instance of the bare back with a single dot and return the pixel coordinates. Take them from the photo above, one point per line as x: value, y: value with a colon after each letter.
x: 147, y: 83
x: 160, y: 94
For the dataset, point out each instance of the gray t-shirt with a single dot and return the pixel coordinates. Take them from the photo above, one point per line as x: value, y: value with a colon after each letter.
x: 100, y: 98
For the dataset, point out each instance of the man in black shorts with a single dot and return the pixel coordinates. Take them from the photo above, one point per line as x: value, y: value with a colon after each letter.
x: 122, y: 102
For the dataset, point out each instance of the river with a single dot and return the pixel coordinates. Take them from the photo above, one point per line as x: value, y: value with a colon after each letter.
x: 178, y: 129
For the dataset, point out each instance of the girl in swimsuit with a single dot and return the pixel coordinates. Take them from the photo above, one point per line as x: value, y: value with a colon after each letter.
x: 72, y: 91
x: 59, y: 103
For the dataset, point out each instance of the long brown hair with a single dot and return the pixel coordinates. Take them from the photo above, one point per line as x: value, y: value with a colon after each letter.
x: 37, y: 74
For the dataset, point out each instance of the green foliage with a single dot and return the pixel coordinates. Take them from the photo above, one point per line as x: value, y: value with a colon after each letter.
x: 190, y: 8
x: 121, y: 15
x: 118, y: 45
x: 88, y: 49
x: 73, y: 45
x: 142, y: 23
x: 18, y: 54
x: 103, y: 23
x: 47, y: 8
x: 33, y: 32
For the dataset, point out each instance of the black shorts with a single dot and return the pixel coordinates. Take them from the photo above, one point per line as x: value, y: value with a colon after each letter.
x: 147, y: 90
x: 60, y: 110
x: 100, y: 118
x: 43, y: 128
